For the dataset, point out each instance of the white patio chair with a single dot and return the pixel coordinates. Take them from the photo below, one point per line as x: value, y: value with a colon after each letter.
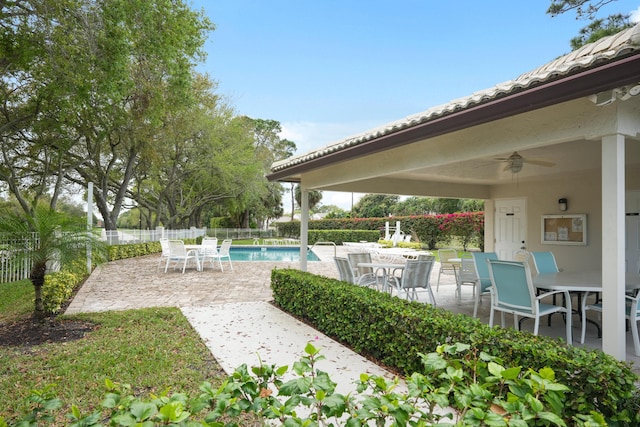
x: 209, y: 251
x: 521, y: 255
x: 344, y: 270
x: 446, y: 267
x: 224, y: 253
x: 178, y: 253
x: 632, y: 314
x: 545, y: 262
x: 483, y: 283
x: 364, y: 276
x: 513, y: 292
x: 164, y: 244
x: 415, y: 276
x: 466, y: 276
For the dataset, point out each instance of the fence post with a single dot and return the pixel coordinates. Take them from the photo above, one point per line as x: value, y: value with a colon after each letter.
x: 89, y: 224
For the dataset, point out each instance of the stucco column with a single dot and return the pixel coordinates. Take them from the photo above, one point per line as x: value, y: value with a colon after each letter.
x: 304, y: 228
x: 613, y: 246
x: 489, y: 225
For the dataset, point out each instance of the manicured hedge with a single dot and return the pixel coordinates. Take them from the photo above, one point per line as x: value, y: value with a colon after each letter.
x: 393, y: 331
x: 117, y: 252
x: 340, y: 236
x: 430, y: 230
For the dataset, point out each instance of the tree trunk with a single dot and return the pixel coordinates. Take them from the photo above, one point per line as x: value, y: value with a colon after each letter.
x: 37, y: 279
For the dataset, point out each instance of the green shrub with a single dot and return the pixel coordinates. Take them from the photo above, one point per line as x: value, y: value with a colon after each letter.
x: 394, y: 332
x: 430, y: 230
x: 474, y: 387
x: 58, y: 288
x: 340, y: 236
x: 117, y: 252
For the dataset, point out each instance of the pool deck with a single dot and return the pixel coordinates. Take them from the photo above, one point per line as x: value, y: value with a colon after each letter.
x: 231, y: 311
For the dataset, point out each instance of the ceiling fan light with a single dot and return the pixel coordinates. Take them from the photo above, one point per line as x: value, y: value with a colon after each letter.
x: 516, y: 166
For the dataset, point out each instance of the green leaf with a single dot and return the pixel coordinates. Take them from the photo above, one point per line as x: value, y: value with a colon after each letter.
x: 143, y: 411
x: 310, y: 349
x: 295, y: 386
x: 511, y: 373
x: 495, y: 369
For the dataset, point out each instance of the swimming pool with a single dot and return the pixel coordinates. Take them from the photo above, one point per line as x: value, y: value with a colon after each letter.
x: 269, y: 253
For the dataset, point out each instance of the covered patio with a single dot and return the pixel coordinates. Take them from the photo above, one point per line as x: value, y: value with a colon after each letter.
x: 574, y: 124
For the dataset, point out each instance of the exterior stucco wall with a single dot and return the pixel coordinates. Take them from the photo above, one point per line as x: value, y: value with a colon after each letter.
x: 583, y: 192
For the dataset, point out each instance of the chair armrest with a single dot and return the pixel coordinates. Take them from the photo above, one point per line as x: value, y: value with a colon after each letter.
x: 548, y: 293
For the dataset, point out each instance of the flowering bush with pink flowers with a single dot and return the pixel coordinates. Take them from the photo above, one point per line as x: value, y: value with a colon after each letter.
x: 430, y: 230
x: 467, y: 226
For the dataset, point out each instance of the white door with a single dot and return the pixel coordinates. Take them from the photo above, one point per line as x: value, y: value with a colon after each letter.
x: 510, y: 227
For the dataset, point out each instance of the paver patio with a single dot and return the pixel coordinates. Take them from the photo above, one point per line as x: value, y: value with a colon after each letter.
x: 138, y: 283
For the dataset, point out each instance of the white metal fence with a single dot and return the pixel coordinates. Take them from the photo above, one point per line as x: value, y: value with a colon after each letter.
x: 124, y: 237
x: 12, y: 266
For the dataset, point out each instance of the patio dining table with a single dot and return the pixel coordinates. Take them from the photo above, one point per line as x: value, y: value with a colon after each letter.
x: 387, y: 269
x: 195, y: 248
x: 579, y: 282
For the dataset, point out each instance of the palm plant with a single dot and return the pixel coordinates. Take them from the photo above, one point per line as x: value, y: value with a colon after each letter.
x: 45, y: 238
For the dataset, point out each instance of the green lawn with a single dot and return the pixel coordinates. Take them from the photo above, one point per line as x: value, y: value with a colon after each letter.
x: 151, y: 349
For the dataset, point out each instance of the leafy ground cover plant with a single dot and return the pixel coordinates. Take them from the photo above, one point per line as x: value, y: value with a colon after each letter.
x: 460, y: 387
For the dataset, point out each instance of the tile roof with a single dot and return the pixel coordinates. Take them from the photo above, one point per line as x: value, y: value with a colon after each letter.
x: 593, y: 55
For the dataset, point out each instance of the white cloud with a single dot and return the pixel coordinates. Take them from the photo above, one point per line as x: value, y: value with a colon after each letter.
x: 635, y: 15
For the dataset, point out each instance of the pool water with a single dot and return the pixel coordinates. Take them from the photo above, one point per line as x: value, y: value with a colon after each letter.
x: 268, y: 253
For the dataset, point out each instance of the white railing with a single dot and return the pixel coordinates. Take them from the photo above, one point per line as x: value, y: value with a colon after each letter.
x: 13, y: 267
x: 124, y: 237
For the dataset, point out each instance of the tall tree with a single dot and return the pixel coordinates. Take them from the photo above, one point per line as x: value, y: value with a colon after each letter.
x: 142, y: 60
x: 314, y: 197
x: 204, y: 158
x: 374, y: 206
x: 37, y: 54
x: 87, y: 86
x: 263, y: 201
x: 588, y: 9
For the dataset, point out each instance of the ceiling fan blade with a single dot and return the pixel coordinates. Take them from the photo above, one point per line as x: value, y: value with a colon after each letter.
x: 507, y: 167
x: 539, y: 162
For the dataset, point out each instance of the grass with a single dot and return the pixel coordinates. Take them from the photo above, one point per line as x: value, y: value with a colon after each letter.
x: 151, y: 349
x: 16, y: 300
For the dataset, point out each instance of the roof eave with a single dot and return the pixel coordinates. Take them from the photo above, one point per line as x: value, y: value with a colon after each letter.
x: 608, y: 76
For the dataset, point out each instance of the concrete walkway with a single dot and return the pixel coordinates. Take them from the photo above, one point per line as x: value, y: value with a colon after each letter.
x: 230, y: 310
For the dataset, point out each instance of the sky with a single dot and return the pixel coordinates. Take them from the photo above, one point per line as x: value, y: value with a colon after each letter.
x: 329, y: 69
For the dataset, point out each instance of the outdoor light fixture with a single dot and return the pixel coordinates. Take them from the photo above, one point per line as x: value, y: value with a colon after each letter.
x: 562, y: 204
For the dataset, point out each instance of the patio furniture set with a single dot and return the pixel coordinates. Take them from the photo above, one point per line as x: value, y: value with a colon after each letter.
x: 179, y: 253
x: 511, y: 285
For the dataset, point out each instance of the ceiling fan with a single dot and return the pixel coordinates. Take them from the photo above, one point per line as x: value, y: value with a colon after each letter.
x: 516, y: 161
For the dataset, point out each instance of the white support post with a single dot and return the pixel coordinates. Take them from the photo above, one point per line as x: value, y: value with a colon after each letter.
x: 304, y: 228
x: 613, y: 246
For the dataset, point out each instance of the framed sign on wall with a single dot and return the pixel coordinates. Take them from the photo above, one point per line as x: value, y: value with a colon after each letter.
x: 564, y: 229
